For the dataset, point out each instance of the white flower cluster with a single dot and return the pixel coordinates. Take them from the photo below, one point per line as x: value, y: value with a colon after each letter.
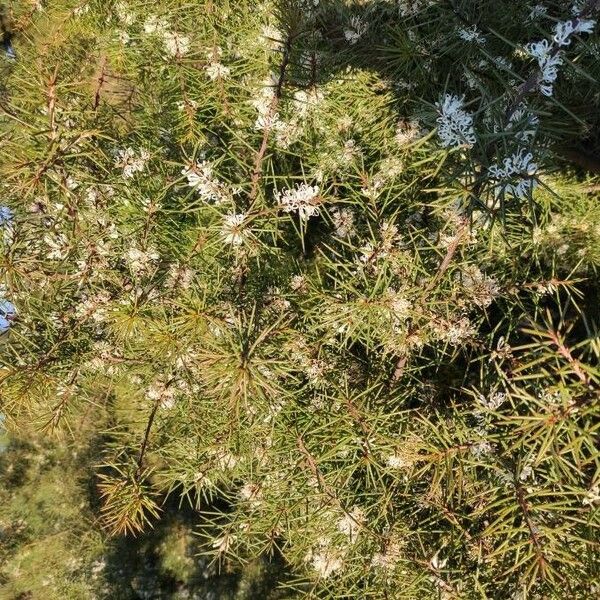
x: 516, y: 174
x: 343, y: 221
x: 232, y: 229
x: 268, y: 117
x: 408, y: 131
x: 176, y: 44
x: 455, y: 125
x: 131, y: 162
x: 493, y: 401
x: 481, y: 289
x: 548, y: 63
x: 471, y: 34
x: 215, y: 69
x: 200, y: 177
x: 563, y: 31
x: 303, y: 198
x: 548, y: 53
x: 139, y: 261
x: 355, y: 30
x: 351, y: 523
x: 537, y: 11
x: 524, y: 123
x: 325, y: 560
x: 263, y: 103
x: 389, y: 558
x: 160, y: 392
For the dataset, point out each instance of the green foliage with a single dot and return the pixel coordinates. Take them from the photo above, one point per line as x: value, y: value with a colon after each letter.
x: 250, y: 253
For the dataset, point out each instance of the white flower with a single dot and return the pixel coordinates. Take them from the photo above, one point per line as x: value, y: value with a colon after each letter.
x: 154, y: 24
x: 176, y: 44
x: 515, y: 176
x: 343, y: 221
x: 303, y: 198
x: 130, y: 162
x: 251, y: 493
x: 58, y: 244
x: 397, y: 461
x: 179, y: 276
x: 454, y: 332
x: 482, y: 289
x: 526, y: 472
x: 351, y: 523
x: 285, y: 133
x: 216, y: 70
x: 356, y: 30
x: 548, y: 62
x: 123, y: 14
x: 140, y: 262
x: 537, y: 11
x: 455, y: 125
x: 547, y: 54
x: 472, y: 34
x: 162, y: 394
x: 306, y: 100
x: 407, y: 132
x: 481, y: 449
x: 493, y: 401
x: 200, y: 177
x: 525, y: 122
x: 325, y: 560
x: 563, y: 31
x: 223, y: 543
x: 232, y: 229
x: 592, y: 497
x: 389, y: 558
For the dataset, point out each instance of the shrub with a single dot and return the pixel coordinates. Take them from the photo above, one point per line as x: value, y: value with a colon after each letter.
x: 321, y: 270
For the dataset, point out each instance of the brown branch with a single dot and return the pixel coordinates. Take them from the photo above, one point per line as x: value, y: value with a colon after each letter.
x: 100, y: 83
x: 328, y: 491
x: 452, y: 248
x: 312, y: 464
x: 260, y: 156
x: 565, y: 352
x: 52, y: 103
x: 533, y: 532
x: 445, y: 264
x: 149, y: 424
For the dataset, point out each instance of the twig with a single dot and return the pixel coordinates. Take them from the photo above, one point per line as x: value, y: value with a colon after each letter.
x: 565, y: 352
x: 101, y: 81
x: 149, y: 424
x: 260, y: 156
x: 533, y: 533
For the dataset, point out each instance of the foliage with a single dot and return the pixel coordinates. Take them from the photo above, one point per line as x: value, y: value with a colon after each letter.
x: 320, y: 272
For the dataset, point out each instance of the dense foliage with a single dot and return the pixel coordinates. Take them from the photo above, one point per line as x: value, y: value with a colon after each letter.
x: 323, y: 274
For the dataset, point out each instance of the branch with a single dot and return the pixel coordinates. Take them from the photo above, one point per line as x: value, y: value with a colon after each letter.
x: 533, y: 532
x: 260, y: 156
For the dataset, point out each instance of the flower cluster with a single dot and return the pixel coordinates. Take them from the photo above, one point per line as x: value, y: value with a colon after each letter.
x: 516, y: 174
x: 8, y: 312
x: 131, y: 162
x: 303, y: 198
x: 200, y: 176
x: 455, y: 125
x: 232, y: 229
x: 548, y: 53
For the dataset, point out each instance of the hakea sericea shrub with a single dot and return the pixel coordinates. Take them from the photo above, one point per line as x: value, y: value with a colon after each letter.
x: 314, y: 268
